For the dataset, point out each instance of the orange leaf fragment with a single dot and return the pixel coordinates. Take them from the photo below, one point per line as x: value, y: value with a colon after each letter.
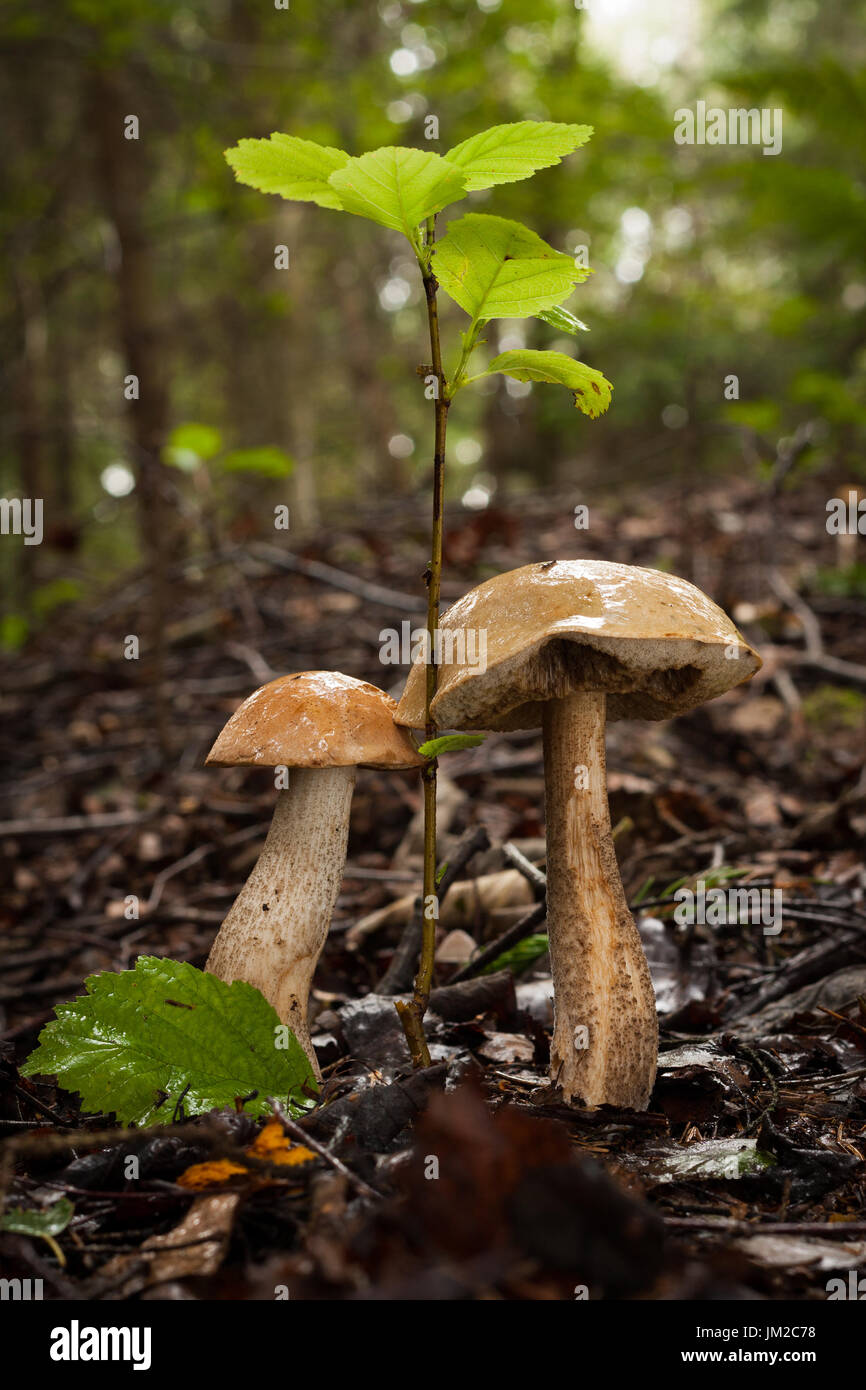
x: 273, y: 1145
x: 214, y: 1174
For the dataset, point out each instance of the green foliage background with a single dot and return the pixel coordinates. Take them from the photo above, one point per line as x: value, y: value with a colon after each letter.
x: 747, y: 265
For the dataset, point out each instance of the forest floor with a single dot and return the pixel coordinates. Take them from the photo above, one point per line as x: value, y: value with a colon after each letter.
x: 746, y: 1176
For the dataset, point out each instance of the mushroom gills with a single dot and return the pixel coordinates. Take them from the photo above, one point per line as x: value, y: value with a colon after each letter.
x: 277, y: 926
x: 605, y: 1038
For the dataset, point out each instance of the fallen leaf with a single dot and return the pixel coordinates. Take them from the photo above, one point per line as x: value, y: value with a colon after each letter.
x: 763, y: 714
x: 708, y: 1158
x: 273, y: 1145
x: 465, y: 903
x: 507, y: 1047
x: 706, y: 1056
x: 680, y: 976
x: 456, y: 949
x: 196, y: 1246
x: 760, y: 805
x: 786, y: 1251
x: 201, y: 1175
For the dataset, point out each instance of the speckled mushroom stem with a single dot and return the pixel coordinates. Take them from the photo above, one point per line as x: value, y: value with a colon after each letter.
x: 275, y: 931
x: 605, y: 1035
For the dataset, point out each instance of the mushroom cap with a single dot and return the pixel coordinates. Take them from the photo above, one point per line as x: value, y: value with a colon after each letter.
x: 315, y: 719
x: 653, y: 642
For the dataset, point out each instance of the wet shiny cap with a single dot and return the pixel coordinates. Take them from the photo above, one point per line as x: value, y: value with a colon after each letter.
x: 315, y: 719
x: 653, y: 642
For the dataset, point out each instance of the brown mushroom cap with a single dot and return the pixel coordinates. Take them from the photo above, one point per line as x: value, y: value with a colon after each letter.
x: 653, y: 642
x: 315, y: 719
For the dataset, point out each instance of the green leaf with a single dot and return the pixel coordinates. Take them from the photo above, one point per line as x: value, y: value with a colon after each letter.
x: 142, y: 1039
x: 520, y: 956
x: 269, y: 461
x: 14, y: 631
x: 285, y: 164
x: 591, y: 390
x: 498, y: 269
x: 189, y: 444
x: 54, y: 594
x: 562, y: 319
x: 50, y: 1221
x: 449, y: 743
x: 506, y: 153
x: 643, y: 891
x: 397, y: 187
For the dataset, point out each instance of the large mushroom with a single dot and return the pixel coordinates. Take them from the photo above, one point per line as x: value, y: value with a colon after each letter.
x: 571, y: 643
x: 321, y: 726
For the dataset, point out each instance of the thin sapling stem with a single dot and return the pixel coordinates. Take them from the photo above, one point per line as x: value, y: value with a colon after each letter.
x: 412, y: 1012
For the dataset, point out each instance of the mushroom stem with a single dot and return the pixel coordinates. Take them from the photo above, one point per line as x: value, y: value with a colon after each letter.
x: 276, y: 928
x: 605, y: 1036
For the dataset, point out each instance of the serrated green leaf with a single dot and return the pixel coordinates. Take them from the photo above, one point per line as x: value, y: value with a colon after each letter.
x: 506, y: 153
x: 397, y: 186
x: 165, y: 1029
x: 285, y: 164
x: 50, y: 1221
x: 590, y: 389
x: 498, y: 269
x: 562, y: 319
x: 449, y: 743
x: 268, y: 461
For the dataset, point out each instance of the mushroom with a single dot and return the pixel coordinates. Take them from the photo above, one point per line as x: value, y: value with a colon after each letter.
x: 571, y: 643
x: 321, y: 726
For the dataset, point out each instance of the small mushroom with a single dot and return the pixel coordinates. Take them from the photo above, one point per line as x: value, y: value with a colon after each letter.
x: 569, y: 644
x: 321, y: 726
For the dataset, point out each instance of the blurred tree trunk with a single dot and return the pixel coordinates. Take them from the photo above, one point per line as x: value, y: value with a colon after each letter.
x: 364, y: 347
x: 63, y: 423
x: 299, y: 427
x: 28, y: 415
x: 124, y: 179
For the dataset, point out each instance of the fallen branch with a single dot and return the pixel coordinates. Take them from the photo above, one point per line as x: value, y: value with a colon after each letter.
x: 509, y: 938
x: 73, y: 825
x: 530, y: 872
x: 338, y: 579
x: 766, y: 1228
x: 302, y: 1137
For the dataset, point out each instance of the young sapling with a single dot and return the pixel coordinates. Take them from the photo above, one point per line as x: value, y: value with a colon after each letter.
x: 493, y: 268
